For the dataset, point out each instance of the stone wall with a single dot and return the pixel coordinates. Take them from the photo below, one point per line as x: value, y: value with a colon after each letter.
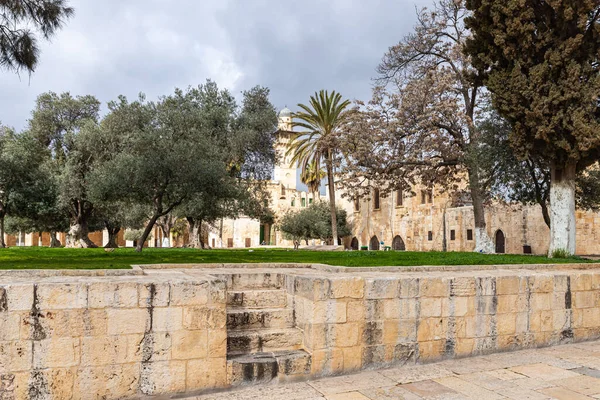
x: 365, y: 321
x: 163, y: 330
x: 110, y: 337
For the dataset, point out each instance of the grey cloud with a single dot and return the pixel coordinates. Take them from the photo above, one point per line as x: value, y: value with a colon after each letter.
x: 114, y: 47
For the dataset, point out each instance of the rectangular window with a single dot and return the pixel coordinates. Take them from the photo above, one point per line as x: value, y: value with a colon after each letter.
x: 230, y: 242
x: 376, y: 204
x: 310, y: 201
x: 303, y: 202
x: 294, y: 202
x: 399, y: 198
x: 423, y: 197
x: 469, y: 234
x: 430, y: 236
x: 452, y: 234
x: 356, y: 205
x: 430, y: 196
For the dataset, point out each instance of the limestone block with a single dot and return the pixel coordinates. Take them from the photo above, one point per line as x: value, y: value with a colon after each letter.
x: 149, y: 347
x: 584, y: 299
x: 541, y: 301
x: 391, y: 309
x: 328, y: 361
x: 57, y: 296
x: 374, y: 355
x: 431, y: 307
x: 352, y: 358
x: 217, y: 343
x: 204, y: 317
x: 154, y: 294
x: 391, y: 327
x: 60, y: 382
x: 409, y: 288
x: 10, y: 325
x: 560, y: 320
x: 127, y: 321
x: 407, y: 330
x: 463, y: 286
x: 486, y: 286
x: 541, y: 284
x: 508, y: 304
x: 163, y: 377
x: 508, y: 285
x: 372, y: 333
x: 522, y: 323
x: 431, y: 350
x: 559, y: 300
x: 581, y: 282
x: 56, y: 353
x: 506, y: 324
x: 330, y: 311
x: 107, y: 382
x: 486, y: 305
x: 591, y: 318
x: 188, y: 345
x: 381, y: 288
x: 15, y: 356
x: 430, y: 329
x: 344, y: 335
x: 374, y: 310
x: 209, y: 373
x: 167, y: 319
x: 19, y: 297
x: 189, y: 293
x: 347, y: 287
x: 217, y: 292
x: 561, y: 283
x: 105, y: 350
x: 112, y: 294
x: 434, y: 287
x: 464, y: 347
x: 464, y: 306
x: 312, y: 288
x: 64, y: 323
x: 408, y: 308
x: 355, y: 311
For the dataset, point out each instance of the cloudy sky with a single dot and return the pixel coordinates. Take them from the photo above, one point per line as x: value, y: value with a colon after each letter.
x: 114, y: 47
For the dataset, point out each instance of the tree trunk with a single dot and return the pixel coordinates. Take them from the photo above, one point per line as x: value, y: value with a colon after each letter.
x: 562, y: 209
x: 194, y: 232
x: 54, y: 242
x: 483, y: 242
x: 78, y: 236
x: 331, y: 183
x: 112, y: 237
x: 2, y: 242
x: 149, y: 226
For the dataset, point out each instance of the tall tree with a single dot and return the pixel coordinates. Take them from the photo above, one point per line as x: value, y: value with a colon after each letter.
x: 19, y: 44
x: 541, y: 64
x: 420, y: 126
x: 319, y: 143
x: 312, y: 178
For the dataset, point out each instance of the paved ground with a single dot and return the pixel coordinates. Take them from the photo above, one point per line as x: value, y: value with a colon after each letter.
x: 569, y: 372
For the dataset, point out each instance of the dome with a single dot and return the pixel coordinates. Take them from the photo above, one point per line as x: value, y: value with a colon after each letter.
x: 285, y: 113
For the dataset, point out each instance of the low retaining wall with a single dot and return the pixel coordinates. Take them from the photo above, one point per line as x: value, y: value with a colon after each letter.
x: 123, y: 336
x: 112, y: 337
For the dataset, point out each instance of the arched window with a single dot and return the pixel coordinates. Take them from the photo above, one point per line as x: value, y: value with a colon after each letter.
x: 500, y: 242
x: 354, y: 243
x: 374, y: 243
x: 376, y: 202
x: 398, y: 244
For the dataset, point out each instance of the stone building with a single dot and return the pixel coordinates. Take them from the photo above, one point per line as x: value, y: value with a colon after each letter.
x: 423, y: 220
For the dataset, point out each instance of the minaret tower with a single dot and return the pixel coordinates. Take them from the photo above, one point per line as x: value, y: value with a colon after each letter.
x: 284, y: 173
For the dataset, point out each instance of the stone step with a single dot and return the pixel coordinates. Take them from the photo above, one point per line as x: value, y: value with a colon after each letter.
x: 255, y: 298
x: 261, y: 340
x: 244, y: 318
x: 280, y: 366
x: 255, y: 281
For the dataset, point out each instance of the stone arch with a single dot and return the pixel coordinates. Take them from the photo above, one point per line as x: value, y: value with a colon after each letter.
x: 374, y: 243
x: 398, y: 244
x: 500, y: 242
x: 354, y: 244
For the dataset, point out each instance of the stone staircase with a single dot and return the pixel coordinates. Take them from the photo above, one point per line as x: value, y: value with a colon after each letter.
x: 262, y: 343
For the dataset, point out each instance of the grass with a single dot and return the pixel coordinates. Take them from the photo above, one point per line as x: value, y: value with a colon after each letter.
x: 46, y: 258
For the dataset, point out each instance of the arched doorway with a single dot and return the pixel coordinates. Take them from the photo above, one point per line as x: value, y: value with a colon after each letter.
x: 398, y: 244
x: 500, y: 242
x: 354, y: 243
x: 374, y: 243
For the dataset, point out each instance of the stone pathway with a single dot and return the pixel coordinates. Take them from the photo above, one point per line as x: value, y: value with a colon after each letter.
x: 568, y: 372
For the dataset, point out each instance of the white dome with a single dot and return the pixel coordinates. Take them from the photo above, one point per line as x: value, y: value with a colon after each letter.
x: 285, y: 113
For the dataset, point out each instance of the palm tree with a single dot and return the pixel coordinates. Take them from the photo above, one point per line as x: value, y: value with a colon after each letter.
x: 312, y: 174
x: 321, y: 122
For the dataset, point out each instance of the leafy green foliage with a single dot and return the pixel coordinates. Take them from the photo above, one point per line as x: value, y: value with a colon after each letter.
x: 313, y: 222
x: 19, y: 48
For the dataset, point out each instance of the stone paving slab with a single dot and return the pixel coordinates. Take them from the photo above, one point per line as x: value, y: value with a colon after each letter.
x: 553, y: 376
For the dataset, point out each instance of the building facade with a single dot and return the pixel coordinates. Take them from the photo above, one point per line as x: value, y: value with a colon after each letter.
x: 415, y: 220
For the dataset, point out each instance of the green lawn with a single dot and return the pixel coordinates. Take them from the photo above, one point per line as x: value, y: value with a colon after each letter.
x: 36, y: 257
